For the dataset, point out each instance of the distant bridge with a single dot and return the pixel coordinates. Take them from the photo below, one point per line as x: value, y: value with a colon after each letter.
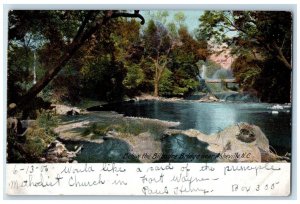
x: 220, y: 81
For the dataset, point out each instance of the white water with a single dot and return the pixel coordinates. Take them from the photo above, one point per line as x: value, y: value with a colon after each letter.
x: 203, y: 71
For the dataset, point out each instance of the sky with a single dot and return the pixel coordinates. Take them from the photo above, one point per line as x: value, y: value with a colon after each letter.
x: 192, y: 17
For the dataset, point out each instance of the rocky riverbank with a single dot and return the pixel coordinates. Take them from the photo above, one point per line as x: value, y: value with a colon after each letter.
x: 58, y: 153
x: 144, y: 141
x: 238, y: 143
x: 147, y: 97
x: 242, y: 142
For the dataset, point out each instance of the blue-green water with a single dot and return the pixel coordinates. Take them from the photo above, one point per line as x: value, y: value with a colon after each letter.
x: 208, y: 118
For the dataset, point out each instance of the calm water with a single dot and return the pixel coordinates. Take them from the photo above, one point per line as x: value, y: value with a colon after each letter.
x: 208, y: 118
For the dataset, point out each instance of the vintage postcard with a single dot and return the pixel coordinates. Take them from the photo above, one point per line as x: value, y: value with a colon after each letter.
x: 149, y: 102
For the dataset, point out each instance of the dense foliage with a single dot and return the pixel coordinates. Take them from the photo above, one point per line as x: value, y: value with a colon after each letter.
x: 261, y: 43
x: 63, y: 42
x: 119, y: 57
x: 59, y: 56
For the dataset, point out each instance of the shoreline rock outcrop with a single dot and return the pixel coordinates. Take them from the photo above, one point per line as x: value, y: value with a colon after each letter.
x: 58, y: 153
x: 139, y: 144
x: 60, y: 109
x: 242, y: 142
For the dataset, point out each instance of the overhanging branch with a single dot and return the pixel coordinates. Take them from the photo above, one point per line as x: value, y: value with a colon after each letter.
x: 136, y: 14
x: 80, y: 38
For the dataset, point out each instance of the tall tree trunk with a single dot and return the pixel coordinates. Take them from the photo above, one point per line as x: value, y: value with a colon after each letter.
x: 41, y: 84
x: 157, y: 76
x: 156, y: 88
x: 159, y: 69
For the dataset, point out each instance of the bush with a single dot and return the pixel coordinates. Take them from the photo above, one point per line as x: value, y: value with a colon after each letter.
x: 35, y: 144
x: 37, y: 139
x: 47, y: 120
x: 97, y: 129
x: 40, y: 136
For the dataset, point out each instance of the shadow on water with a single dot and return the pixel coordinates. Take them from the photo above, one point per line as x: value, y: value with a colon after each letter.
x: 180, y: 148
x: 111, y: 150
x: 210, y: 118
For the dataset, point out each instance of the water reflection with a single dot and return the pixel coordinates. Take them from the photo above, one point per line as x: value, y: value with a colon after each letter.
x: 205, y: 118
x: 210, y: 118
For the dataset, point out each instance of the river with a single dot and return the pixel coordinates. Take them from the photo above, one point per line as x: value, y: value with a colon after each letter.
x: 208, y: 118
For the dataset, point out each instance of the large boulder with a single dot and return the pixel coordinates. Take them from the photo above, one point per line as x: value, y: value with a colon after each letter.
x: 57, y: 152
x: 242, y: 142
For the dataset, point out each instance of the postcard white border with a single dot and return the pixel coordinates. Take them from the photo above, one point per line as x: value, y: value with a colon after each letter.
x: 212, y: 4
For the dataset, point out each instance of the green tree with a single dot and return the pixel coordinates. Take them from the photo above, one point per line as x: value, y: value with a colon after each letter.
x: 129, y: 51
x: 186, y: 53
x: 65, y: 32
x: 261, y: 42
x: 180, y: 18
x: 266, y: 32
x: 158, y: 44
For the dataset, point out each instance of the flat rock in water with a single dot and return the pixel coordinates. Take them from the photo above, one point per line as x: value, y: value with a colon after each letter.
x: 209, y: 98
